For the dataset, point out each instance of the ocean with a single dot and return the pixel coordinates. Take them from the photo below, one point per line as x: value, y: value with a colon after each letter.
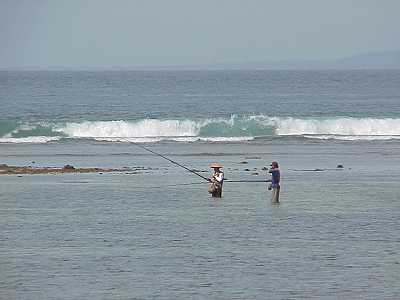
x: 153, y: 232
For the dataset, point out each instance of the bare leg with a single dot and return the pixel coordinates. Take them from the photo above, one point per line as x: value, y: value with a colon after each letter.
x: 275, y: 195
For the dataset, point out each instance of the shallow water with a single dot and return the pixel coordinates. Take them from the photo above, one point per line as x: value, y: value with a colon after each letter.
x: 142, y: 236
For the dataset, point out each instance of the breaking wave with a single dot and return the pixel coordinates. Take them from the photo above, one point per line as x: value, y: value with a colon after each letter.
x: 31, y: 140
x: 339, y: 126
x: 233, y: 129
x: 142, y: 128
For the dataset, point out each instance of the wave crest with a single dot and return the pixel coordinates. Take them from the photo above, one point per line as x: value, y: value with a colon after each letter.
x: 233, y: 129
x: 338, y: 126
x: 143, y: 128
x: 29, y: 140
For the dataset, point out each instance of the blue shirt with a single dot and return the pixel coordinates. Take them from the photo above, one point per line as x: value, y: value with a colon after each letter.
x: 276, y: 177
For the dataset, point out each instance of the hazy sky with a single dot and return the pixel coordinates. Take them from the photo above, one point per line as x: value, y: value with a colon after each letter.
x: 131, y: 33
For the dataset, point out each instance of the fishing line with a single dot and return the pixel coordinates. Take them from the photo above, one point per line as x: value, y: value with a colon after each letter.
x: 186, y: 168
x: 246, y: 181
x: 172, y: 161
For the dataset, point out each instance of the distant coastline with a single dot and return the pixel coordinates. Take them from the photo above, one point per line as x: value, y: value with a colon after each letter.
x: 385, y: 60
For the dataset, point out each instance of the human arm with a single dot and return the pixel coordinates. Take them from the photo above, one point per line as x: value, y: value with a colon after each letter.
x: 219, y: 177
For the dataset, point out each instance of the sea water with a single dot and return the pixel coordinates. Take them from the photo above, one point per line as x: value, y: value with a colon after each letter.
x: 153, y: 232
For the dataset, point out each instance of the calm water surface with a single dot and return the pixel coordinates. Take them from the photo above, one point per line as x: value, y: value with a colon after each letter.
x: 142, y: 236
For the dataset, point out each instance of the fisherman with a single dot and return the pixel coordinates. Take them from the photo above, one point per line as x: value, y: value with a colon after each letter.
x: 217, y: 180
x: 275, y: 182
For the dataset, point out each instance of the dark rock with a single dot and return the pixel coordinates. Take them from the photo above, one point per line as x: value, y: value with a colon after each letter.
x: 339, y: 166
x: 69, y: 167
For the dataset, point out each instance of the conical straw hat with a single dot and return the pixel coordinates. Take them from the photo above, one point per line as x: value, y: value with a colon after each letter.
x: 216, y: 165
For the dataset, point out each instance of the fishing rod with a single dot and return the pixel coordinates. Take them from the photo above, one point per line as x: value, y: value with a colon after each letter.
x: 172, y: 161
x: 186, y: 168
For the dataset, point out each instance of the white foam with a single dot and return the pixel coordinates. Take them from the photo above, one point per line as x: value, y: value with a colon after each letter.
x: 227, y: 139
x: 31, y: 139
x: 233, y: 129
x: 176, y: 139
x: 220, y: 139
x: 129, y: 129
x: 354, y: 137
x: 338, y: 126
x: 129, y: 140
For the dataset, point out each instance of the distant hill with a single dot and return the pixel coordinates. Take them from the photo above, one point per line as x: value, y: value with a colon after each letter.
x: 376, y: 60
x: 381, y: 60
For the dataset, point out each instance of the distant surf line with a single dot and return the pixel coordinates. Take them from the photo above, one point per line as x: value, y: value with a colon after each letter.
x: 233, y: 129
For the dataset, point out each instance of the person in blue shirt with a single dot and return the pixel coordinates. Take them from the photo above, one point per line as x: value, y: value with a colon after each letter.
x: 275, y: 182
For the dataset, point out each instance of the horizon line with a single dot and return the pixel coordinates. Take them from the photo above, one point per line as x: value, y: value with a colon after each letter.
x: 158, y: 69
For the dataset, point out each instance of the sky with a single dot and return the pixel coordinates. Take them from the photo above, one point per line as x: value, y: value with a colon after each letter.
x: 81, y: 34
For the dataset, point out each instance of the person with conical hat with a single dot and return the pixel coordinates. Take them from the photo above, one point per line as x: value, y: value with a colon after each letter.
x: 275, y: 182
x: 217, y: 180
